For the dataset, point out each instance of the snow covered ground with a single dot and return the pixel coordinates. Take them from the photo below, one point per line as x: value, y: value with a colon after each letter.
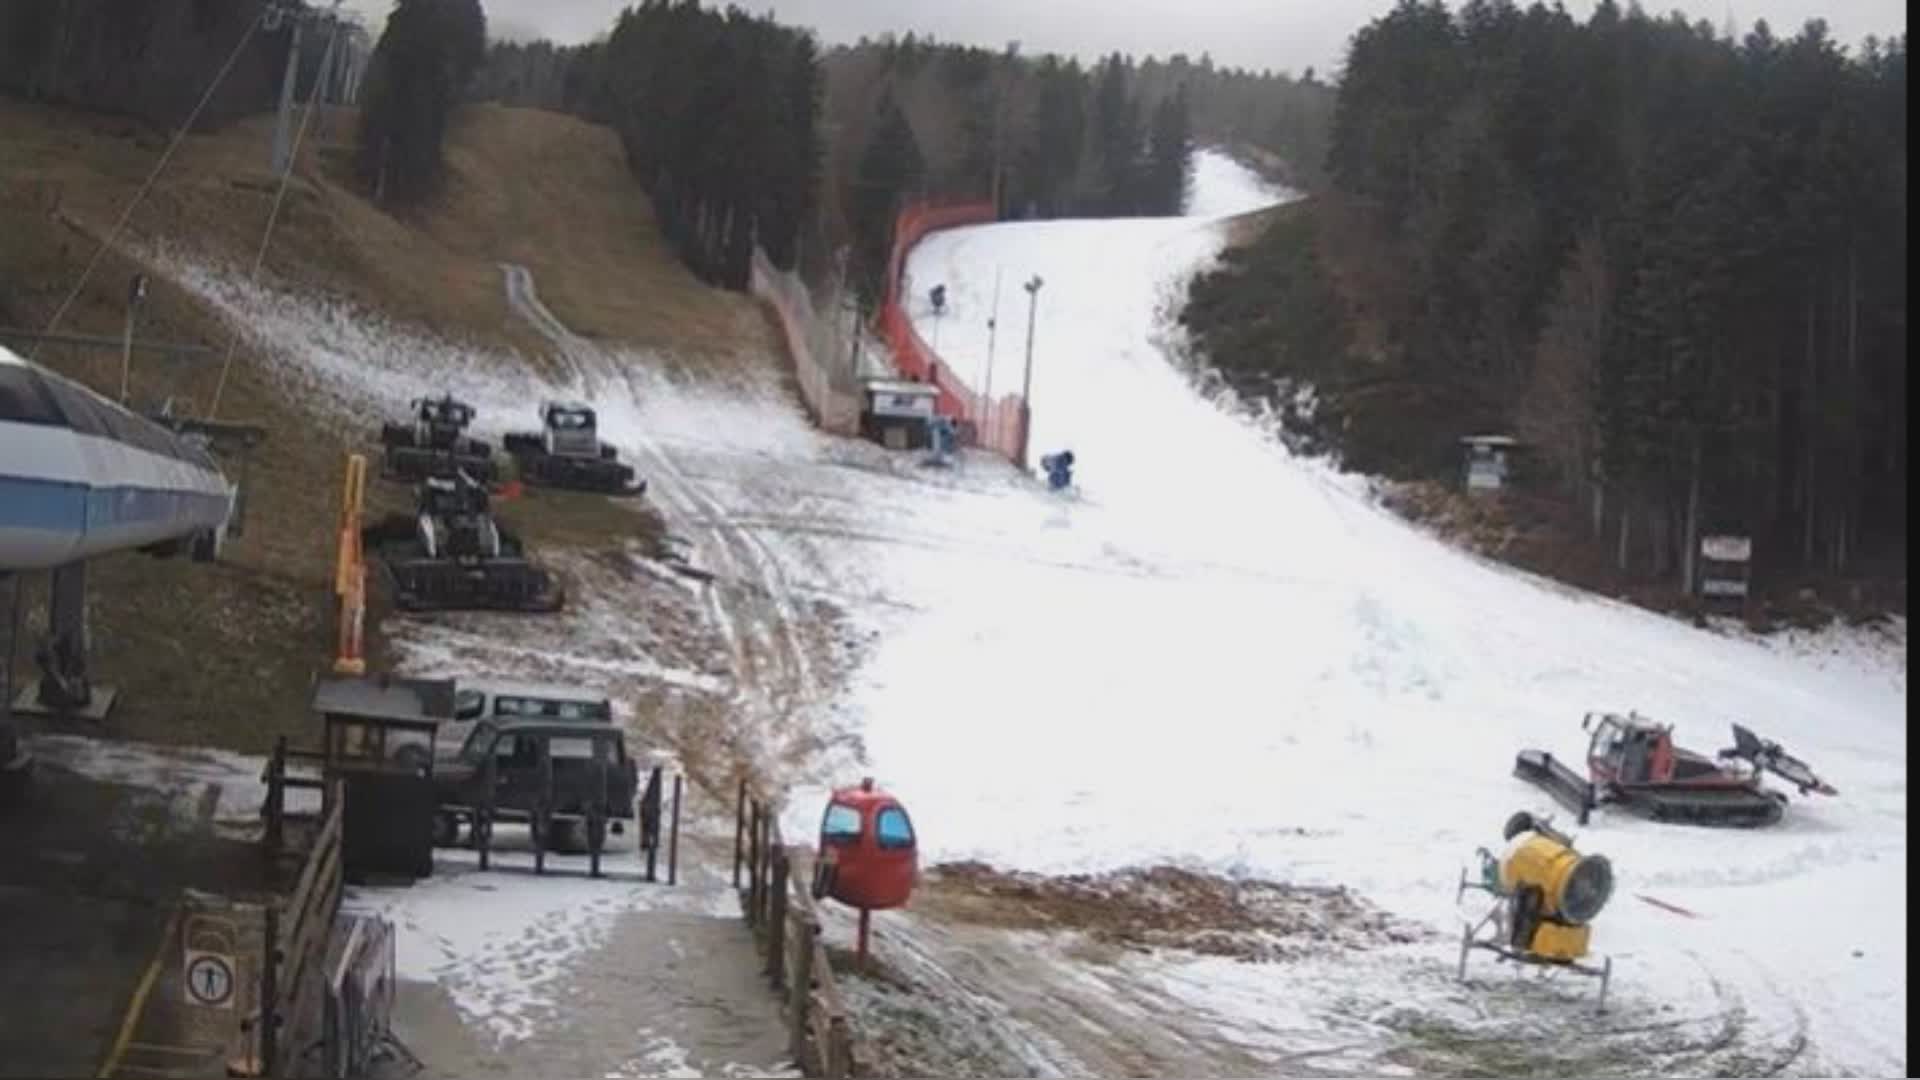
x: 1213, y: 654
x: 1221, y: 655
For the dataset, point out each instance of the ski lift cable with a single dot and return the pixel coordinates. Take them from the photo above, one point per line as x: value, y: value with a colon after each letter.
x: 153, y: 177
x: 273, y: 217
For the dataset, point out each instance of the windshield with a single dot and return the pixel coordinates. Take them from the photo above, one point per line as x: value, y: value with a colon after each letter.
x: 572, y: 421
x: 548, y: 707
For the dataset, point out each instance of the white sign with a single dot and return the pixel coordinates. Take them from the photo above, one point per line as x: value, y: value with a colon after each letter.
x: 1727, y: 548
x: 209, y: 979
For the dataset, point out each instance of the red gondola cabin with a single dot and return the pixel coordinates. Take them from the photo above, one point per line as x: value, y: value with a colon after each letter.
x: 867, y: 840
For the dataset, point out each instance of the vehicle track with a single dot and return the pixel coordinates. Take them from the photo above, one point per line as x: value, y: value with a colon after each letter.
x: 753, y: 605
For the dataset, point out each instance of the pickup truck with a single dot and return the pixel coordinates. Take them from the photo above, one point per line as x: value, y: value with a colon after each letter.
x: 569, y: 780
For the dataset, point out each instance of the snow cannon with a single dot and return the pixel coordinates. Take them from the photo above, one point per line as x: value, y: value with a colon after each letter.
x: 1059, y: 469
x: 943, y: 438
x: 1546, y: 897
x: 868, y: 856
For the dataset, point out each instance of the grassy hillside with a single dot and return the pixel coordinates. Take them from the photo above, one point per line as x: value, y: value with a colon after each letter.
x: 226, y: 654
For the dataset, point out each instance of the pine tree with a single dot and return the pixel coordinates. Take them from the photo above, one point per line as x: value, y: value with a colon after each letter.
x: 890, y: 170
x: 1170, y: 156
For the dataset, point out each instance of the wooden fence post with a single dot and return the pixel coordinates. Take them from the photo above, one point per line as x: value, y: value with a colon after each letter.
x: 270, y: 996
x: 739, y: 831
x: 753, y: 864
x: 800, y: 990
x: 777, y: 922
x: 673, y: 834
x: 276, y: 807
x: 766, y: 863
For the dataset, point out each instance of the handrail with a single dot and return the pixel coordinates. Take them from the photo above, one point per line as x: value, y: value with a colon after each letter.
x: 775, y: 894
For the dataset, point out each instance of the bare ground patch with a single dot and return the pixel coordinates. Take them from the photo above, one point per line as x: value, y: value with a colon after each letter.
x: 1165, y: 907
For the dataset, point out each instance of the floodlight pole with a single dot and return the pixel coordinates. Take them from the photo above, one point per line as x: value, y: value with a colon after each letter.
x: 1026, y: 380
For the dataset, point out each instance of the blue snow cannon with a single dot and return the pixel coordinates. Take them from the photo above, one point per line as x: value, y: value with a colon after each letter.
x: 942, y: 440
x: 1059, y: 469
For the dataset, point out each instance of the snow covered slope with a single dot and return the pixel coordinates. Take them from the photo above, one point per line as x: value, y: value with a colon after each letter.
x: 1223, y: 655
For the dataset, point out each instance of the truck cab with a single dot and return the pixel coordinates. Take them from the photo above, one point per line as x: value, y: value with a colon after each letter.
x: 565, y: 778
x: 572, y: 430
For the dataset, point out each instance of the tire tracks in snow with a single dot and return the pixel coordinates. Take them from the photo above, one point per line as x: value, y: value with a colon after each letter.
x: 778, y: 676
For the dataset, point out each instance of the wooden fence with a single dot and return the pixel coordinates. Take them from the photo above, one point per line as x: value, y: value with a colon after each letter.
x: 773, y: 880
x: 297, y: 930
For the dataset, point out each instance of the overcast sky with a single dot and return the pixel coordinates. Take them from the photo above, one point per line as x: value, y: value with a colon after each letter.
x: 1287, y: 35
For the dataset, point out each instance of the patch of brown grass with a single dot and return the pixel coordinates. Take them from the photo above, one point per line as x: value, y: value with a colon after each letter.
x: 226, y: 654
x: 1162, y: 907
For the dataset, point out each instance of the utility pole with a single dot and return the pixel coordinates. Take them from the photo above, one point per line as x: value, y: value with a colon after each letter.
x: 993, y: 322
x: 281, y: 145
x: 136, y: 292
x: 1026, y: 381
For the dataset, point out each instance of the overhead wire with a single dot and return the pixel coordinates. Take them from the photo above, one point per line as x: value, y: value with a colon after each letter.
x: 273, y: 215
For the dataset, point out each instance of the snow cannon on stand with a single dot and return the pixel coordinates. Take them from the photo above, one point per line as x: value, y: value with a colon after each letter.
x: 1547, y: 896
x: 1059, y: 470
x: 869, y: 859
x: 943, y: 438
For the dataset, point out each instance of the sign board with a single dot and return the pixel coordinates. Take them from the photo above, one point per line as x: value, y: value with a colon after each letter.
x: 1485, y: 475
x: 907, y: 401
x: 1487, y: 461
x: 1725, y: 566
x: 210, y: 979
x: 1736, y: 549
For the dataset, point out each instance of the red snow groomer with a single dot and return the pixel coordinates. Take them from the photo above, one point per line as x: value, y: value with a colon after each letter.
x: 1632, y: 760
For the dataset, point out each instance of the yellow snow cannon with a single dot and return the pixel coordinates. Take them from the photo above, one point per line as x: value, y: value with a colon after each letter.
x: 1546, y: 897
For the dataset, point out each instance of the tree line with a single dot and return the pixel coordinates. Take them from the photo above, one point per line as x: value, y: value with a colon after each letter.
x: 428, y: 52
x: 718, y: 113
x: 151, y: 60
x: 904, y: 118
x: 1672, y: 261
x: 1041, y: 137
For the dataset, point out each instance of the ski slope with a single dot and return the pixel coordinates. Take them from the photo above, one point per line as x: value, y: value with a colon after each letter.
x: 1221, y: 655
x: 1215, y: 654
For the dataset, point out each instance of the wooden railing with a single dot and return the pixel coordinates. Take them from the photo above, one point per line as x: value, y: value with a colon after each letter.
x: 296, y: 944
x: 773, y: 880
x: 278, y: 782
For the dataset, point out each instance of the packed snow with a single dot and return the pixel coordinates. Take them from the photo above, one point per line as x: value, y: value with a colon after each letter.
x: 1212, y: 653
x: 1261, y: 672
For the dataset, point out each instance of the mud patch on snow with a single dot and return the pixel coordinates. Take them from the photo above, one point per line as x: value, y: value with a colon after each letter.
x: 1166, y: 907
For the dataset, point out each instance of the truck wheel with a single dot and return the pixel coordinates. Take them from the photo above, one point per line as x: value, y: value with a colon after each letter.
x: 446, y: 830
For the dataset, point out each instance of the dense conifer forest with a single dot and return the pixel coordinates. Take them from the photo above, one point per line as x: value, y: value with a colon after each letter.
x: 1671, y: 260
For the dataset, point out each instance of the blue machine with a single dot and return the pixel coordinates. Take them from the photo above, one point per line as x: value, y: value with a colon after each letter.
x: 80, y: 477
x: 1059, y: 470
x: 944, y: 440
